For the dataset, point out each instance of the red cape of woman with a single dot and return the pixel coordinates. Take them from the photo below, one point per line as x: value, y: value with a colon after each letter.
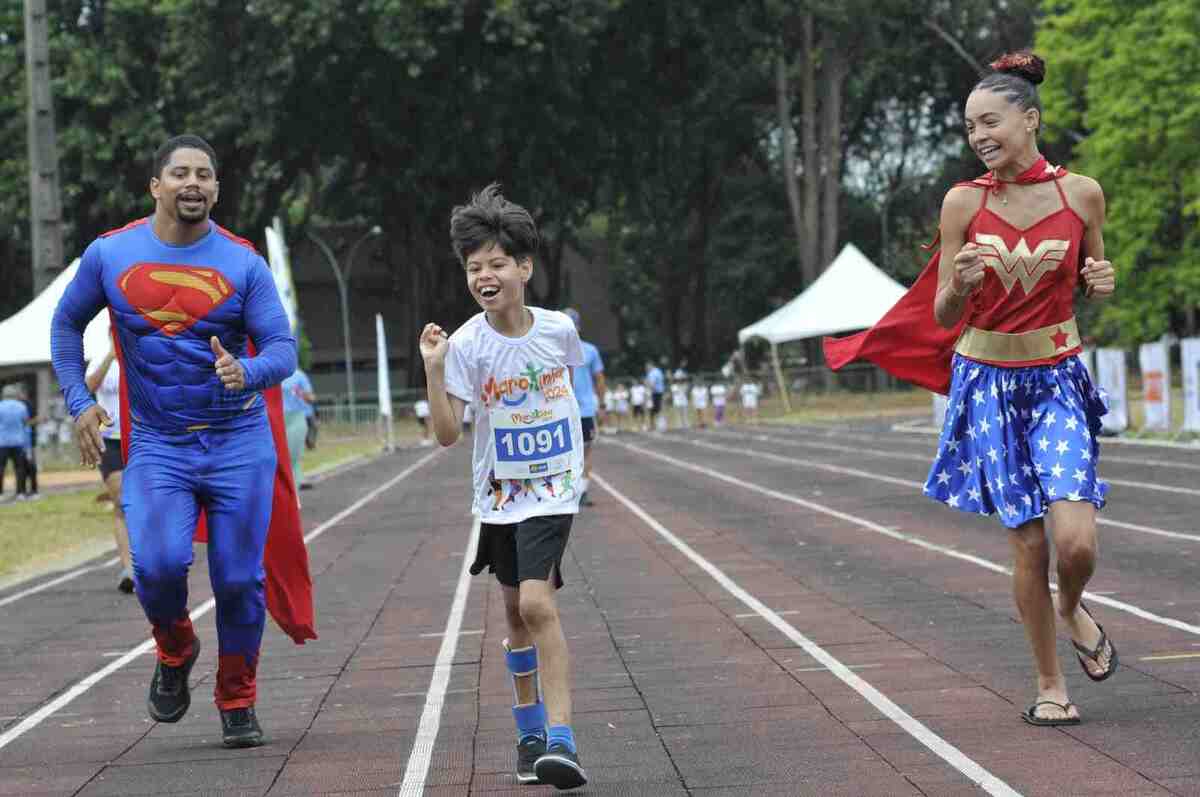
x: 285, y: 558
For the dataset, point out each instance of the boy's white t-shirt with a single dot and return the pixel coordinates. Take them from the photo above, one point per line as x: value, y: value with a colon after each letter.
x: 421, y: 408
x: 622, y: 397
x: 718, y: 392
x: 637, y: 395
x: 515, y: 377
x: 700, y: 397
x: 750, y: 394
x: 108, y: 396
x: 610, y: 403
x: 679, y: 395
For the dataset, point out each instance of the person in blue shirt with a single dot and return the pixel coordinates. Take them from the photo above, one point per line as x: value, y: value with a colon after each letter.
x: 14, y: 437
x: 298, y: 398
x: 188, y: 300
x: 658, y: 386
x: 588, y: 382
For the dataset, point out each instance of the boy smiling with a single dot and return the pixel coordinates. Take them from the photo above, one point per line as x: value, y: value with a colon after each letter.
x: 511, y: 364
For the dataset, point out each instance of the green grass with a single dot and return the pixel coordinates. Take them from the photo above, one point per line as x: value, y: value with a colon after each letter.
x: 35, y: 532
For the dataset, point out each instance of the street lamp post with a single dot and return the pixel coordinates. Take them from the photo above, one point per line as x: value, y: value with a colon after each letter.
x: 343, y: 282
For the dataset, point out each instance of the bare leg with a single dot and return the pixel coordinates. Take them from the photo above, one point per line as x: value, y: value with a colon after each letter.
x: 120, y: 531
x: 1031, y: 589
x: 539, y: 611
x: 1073, y: 527
x: 519, y: 637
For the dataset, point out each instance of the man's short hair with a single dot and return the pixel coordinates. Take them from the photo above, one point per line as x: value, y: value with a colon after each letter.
x: 186, y: 141
x: 490, y: 219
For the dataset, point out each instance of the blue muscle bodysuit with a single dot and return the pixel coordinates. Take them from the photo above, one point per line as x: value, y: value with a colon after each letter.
x: 194, y: 445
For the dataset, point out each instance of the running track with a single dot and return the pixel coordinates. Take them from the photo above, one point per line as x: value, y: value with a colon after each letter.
x: 751, y: 611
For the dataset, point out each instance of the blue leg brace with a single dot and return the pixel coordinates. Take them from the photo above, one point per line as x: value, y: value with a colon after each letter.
x: 530, y: 717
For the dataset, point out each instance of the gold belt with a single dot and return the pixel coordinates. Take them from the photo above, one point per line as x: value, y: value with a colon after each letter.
x: 1017, y: 347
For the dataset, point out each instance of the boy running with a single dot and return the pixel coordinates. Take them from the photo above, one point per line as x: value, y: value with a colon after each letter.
x: 511, y: 363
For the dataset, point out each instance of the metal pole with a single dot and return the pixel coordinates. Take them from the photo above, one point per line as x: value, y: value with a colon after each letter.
x: 345, y: 304
x: 343, y: 281
x: 783, y: 391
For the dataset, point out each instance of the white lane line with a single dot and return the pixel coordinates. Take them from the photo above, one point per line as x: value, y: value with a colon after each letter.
x: 1120, y: 441
x: 37, y: 717
x: 417, y: 770
x: 786, y: 433
x: 877, y: 452
x: 943, y: 749
x: 885, y: 531
x: 56, y: 581
x: 808, y: 463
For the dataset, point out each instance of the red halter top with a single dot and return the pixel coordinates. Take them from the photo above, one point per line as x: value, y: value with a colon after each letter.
x: 1028, y: 288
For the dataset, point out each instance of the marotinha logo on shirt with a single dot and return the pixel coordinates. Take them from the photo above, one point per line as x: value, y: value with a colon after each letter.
x: 513, y: 390
x: 532, y: 417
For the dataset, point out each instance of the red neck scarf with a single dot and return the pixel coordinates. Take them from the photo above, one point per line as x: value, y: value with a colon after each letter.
x: 1040, y: 172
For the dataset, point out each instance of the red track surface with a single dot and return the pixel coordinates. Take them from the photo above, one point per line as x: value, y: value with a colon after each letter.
x: 680, y: 688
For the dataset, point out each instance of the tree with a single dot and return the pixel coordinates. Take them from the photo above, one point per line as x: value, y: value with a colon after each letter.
x: 1125, y: 74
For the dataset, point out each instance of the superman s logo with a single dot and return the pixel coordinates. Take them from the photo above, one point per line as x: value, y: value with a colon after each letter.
x: 173, y: 298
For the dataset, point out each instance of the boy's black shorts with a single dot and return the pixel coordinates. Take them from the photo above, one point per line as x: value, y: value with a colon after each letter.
x: 531, y: 549
x: 111, y: 459
x: 589, y: 429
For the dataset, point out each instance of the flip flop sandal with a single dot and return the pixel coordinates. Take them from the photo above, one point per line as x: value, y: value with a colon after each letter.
x: 1030, y: 714
x: 1093, y: 655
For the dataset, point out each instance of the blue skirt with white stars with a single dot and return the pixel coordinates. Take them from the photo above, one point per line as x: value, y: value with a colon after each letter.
x: 1014, y: 440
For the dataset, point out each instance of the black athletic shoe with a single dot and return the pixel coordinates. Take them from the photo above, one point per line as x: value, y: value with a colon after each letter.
x: 169, y: 694
x: 584, y: 500
x: 529, y: 750
x: 560, y: 768
x: 240, y: 728
x: 125, y: 582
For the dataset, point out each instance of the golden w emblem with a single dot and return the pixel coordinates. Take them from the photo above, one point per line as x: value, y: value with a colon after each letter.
x: 1020, y: 263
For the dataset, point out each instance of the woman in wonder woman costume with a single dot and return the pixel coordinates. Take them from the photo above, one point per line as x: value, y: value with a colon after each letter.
x: 1019, y: 437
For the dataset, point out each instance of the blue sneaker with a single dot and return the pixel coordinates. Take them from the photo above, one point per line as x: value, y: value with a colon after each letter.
x: 529, y: 750
x: 560, y: 768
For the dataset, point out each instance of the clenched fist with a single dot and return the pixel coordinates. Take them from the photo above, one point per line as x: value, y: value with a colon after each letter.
x: 968, y: 270
x: 434, y: 344
x: 1099, y: 276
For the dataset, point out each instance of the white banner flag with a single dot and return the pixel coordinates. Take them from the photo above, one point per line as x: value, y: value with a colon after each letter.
x: 385, y: 380
x: 939, y: 409
x: 1110, y: 377
x: 1156, y: 385
x: 1189, y: 356
x: 1088, y: 358
x: 281, y: 269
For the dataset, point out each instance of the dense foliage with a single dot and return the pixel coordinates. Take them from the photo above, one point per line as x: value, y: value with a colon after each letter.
x: 711, y: 155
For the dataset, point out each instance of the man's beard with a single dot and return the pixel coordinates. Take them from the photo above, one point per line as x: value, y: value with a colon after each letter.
x: 189, y: 216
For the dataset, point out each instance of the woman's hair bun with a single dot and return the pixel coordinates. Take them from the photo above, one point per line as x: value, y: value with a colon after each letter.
x: 1025, y: 64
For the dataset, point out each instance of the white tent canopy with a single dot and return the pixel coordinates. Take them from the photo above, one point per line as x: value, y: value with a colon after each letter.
x: 853, y: 293
x: 25, y: 336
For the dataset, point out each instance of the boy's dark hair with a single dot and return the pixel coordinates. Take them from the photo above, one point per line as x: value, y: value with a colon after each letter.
x: 186, y: 141
x: 490, y: 219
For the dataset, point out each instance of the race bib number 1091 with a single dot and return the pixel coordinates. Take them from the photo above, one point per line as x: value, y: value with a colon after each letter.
x: 525, y: 450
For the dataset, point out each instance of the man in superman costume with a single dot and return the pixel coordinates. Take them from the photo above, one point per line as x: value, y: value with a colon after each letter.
x: 203, y: 342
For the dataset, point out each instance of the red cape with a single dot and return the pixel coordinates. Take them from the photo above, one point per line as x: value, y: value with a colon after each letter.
x: 907, y: 342
x: 285, y: 559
